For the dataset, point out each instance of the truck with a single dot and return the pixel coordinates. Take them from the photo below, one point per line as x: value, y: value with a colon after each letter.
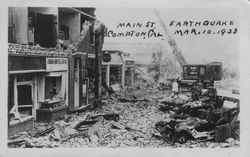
x: 192, y: 73
x: 204, y: 73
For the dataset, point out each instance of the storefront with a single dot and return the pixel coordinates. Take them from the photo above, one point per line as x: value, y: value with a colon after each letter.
x: 53, y: 89
x: 91, y: 76
x: 114, y: 71
x: 44, y: 81
x: 38, y: 84
x: 78, y: 82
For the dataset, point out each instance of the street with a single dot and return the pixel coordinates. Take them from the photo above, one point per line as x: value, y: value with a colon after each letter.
x: 133, y: 113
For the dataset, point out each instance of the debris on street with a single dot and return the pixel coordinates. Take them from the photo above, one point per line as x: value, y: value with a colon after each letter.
x: 68, y: 87
x: 148, y: 118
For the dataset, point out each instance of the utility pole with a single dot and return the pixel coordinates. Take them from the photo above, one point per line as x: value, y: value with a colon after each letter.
x: 98, y: 32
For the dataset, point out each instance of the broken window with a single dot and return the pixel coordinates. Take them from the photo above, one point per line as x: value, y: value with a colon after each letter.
x: 52, y: 86
x: 24, y: 93
x: 55, y: 90
x: 24, y: 99
x: 45, y: 29
x: 22, y: 103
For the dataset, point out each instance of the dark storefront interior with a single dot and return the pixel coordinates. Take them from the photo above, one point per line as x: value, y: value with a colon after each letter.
x: 43, y: 28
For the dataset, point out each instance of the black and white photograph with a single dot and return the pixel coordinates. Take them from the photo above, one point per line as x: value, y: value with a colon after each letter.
x: 87, y: 76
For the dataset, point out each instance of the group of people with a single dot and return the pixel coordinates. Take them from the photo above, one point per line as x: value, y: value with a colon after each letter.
x: 196, y: 88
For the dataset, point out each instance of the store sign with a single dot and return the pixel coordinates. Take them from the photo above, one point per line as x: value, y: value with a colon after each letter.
x: 56, y: 64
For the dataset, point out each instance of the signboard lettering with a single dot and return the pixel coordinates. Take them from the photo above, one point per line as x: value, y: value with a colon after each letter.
x: 56, y: 63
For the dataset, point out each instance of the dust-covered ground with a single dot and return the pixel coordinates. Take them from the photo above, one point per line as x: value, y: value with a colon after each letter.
x: 135, y: 126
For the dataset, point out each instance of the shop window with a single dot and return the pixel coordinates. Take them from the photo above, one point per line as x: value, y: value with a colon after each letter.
x: 24, y: 99
x: 55, y: 90
x: 24, y: 94
x: 21, y: 105
x: 52, y: 87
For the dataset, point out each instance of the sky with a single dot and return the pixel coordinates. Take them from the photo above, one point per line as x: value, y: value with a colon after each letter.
x: 199, y: 48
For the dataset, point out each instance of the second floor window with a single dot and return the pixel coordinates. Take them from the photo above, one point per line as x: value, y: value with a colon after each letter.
x: 64, y: 32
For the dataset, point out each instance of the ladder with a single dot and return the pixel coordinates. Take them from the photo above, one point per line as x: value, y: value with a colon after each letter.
x: 176, y: 51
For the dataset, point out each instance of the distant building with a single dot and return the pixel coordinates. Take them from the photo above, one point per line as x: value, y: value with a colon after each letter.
x: 119, y: 71
x: 146, y: 56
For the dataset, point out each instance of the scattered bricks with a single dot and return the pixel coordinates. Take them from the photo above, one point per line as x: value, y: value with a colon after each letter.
x: 60, y: 132
x: 116, y: 125
x: 114, y: 117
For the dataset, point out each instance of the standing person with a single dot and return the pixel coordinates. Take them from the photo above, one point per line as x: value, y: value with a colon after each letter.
x: 179, y: 84
x: 212, y: 82
x: 200, y: 85
x: 175, y: 87
x: 195, y: 92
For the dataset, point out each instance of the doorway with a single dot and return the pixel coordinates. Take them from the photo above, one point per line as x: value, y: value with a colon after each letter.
x: 77, y: 83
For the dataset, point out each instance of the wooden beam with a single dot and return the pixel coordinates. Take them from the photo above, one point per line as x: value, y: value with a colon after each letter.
x: 83, y: 13
x: 26, y: 71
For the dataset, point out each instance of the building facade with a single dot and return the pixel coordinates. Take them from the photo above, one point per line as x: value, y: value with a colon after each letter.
x: 119, y: 71
x: 38, y: 83
x: 48, y: 63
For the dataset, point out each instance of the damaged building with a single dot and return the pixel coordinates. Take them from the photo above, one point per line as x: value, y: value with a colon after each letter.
x: 119, y: 72
x: 48, y: 63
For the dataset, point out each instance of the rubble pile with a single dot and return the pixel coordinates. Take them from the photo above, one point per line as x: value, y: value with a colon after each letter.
x: 18, y: 49
x: 137, y: 122
x: 199, y: 120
